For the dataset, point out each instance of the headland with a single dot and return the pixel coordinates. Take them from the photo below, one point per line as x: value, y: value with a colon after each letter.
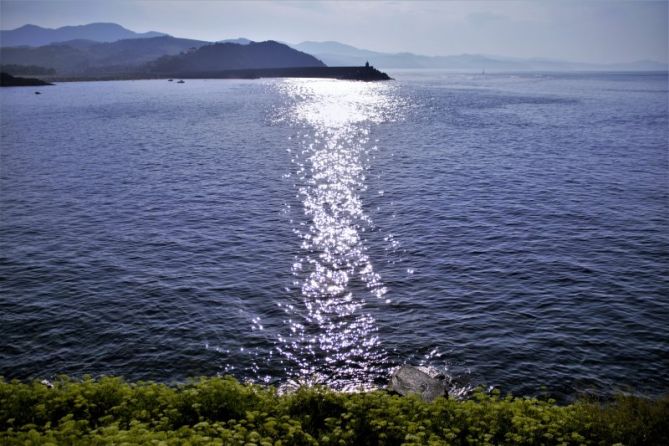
x: 7, y: 80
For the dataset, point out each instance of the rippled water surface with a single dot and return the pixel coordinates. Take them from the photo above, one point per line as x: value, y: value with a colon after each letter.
x: 510, y: 230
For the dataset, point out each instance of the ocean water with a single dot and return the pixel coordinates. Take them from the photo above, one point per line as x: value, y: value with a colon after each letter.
x: 510, y: 230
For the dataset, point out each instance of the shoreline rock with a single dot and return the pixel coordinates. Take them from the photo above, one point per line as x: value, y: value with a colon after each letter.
x: 408, y: 380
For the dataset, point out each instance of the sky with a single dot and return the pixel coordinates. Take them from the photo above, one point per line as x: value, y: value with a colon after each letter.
x: 601, y: 31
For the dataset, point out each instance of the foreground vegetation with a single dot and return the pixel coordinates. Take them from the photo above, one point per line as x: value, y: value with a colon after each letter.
x: 221, y: 411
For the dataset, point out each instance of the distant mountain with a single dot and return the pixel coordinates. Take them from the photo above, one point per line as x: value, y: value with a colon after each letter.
x: 141, y: 51
x: 238, y: 41
x: 639, y: 65
x: 339, y: 54
x: 32, y: 35
x: 85, y: 56
x: 78, y: 43
x: 30, y: 70
x: 231, y: 56
x: 62, y: 58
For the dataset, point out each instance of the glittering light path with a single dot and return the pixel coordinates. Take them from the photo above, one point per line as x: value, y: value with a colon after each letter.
x: 332, y: 339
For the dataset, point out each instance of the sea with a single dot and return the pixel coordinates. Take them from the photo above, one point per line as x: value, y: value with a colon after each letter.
x: 510, y: 230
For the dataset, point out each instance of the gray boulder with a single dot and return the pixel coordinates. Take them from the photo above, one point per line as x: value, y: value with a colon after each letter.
x: 409, y: 379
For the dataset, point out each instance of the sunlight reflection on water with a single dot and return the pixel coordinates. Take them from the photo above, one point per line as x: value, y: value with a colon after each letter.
x: 332, y: 339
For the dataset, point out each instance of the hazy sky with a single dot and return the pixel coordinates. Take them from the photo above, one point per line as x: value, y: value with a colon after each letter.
x: 582, y: 30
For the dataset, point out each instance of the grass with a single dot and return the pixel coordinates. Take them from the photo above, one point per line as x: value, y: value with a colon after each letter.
x: 221, y: 411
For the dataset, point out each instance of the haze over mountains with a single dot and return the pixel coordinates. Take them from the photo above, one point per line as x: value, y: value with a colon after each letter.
x: 153, y: 55
x: 32, y: 35
x: 336, y: 53
x: 108, y: 48
x: 86, y: 56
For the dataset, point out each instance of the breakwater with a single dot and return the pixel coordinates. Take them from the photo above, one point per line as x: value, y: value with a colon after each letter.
x: 363, y: 73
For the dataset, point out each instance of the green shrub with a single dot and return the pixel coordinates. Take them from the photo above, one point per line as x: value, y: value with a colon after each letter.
x: 221, y: 411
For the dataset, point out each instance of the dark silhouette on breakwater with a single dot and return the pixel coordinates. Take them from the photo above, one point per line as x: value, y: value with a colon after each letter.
x: 7, y: 80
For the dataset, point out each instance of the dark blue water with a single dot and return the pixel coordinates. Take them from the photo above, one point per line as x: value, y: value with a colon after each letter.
x: 511, y: 230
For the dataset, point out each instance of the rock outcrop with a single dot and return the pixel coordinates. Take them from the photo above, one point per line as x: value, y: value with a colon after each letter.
x: 408, y: 380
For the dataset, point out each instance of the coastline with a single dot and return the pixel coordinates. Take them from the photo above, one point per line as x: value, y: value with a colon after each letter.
x: 362, y: 73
